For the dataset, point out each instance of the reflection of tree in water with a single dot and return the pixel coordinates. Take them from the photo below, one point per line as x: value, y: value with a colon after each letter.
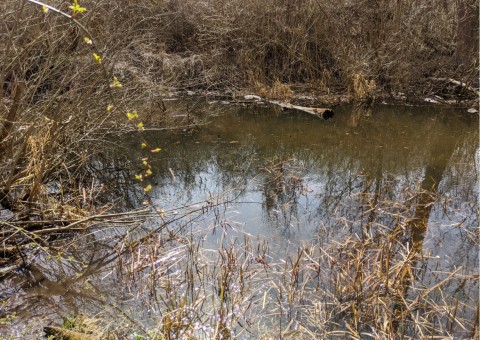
x: 392, y: 212
x: 418, y: 269
x: 282, y: 187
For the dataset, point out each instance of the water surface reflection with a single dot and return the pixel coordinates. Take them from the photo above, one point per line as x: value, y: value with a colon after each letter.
x: 289, y: 179
x: 296, y: 172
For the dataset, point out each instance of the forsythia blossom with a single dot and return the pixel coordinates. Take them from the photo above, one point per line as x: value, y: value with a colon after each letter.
x: 115, y: 83
x: 76, y: 8
x: 97, y: 58
x: 132, y: 115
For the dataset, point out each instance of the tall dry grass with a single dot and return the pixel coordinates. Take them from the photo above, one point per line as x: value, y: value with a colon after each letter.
x: 53, y: 100
x: 379, y: 283
x: 364, y: 47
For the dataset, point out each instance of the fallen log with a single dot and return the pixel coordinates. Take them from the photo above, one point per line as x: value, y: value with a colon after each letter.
x: 316, y: 111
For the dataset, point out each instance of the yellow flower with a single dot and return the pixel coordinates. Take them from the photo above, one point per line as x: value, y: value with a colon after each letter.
x: 44, y: 9
x: 97, y: 58
x: 155, y: 150
x: 115, y: 83
x: 145, y: 163
x: 138, y: 177
x: 109, y: 107
x: 75, y: 7
x: 140, y: 126
x: 88, y: 40
x: 132, y: 115
x: 147, y: 188
x: 148, y: 172
x: 143, y: 145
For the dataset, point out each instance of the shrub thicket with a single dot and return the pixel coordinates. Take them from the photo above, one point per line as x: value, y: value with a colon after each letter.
x: 363, y: 47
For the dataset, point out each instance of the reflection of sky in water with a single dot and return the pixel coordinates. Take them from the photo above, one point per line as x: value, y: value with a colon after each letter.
x: 366, y: 174
x: 353, y: 170
x: 358, y: 173
x: 340, y: 163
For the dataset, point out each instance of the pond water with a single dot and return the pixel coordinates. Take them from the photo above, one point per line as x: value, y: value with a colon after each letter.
x: 291, y: 174
x: 283, y: 180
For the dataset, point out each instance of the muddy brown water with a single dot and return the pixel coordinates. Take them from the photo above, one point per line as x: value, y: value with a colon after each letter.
x: 285, y: 178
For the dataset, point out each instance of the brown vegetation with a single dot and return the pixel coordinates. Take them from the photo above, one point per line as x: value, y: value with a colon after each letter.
x: 379, y: 284
x: 53, y: 117
x: 366, y: 48
x: 53, y: 122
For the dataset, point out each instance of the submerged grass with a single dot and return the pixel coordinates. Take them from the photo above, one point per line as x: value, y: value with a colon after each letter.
x: 372, y: 279
x: 375, y: 281
x: 355, y: 287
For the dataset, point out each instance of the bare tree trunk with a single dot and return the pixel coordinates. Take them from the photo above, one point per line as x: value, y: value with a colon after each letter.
x: 467, y: 32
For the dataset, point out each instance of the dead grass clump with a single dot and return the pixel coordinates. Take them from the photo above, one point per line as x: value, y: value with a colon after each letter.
x: 355, y: 288
x: 363, y: 89
x: 277, y: 90
x: 233, y: 44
